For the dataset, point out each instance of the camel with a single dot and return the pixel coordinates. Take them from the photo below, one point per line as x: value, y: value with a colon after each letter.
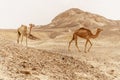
x: 85, y: 34
x: 22, y: 31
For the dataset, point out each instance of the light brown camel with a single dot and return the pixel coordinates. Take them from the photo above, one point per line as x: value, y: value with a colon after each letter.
x: 22, y: 31
x: 86, y: 34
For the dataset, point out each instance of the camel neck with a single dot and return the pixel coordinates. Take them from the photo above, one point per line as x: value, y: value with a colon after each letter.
x: 96, y: 35
x: 30, y: 29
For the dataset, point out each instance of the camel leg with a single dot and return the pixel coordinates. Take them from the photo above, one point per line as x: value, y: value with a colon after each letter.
x: 70, y: 44
x: 85, y: 45
x: 74, y: 36
x: 18, y: 38
x: 90, y: 45
x: 26, y: 39
x: 76, y: 44
x: 21, y: 38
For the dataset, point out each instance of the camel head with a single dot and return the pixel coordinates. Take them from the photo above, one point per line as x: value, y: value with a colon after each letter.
x: 31, y: 26
x: 99, y: 30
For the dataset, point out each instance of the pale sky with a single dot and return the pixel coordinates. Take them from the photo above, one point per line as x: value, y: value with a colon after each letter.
x: 13, y: 13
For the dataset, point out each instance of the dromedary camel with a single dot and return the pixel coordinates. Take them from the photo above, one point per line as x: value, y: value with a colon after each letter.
x: 86, y: 34
x: 22, y: 31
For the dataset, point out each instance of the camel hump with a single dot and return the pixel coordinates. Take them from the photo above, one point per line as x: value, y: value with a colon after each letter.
x: 85, y: 29
x: 82, y: 28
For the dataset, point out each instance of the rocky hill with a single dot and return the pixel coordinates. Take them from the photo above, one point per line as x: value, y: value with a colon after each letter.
x: 24, y: 63
x: 75, y: 18
x: 47, y: 56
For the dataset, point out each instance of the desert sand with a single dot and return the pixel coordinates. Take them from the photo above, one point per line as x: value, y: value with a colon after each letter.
x: 48, y: 58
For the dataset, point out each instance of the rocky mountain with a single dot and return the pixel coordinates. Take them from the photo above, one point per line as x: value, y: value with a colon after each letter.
x: 75, y: 18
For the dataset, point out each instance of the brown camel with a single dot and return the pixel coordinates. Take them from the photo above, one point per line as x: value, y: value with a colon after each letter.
x: 22, y: 31
x: 86, y: 34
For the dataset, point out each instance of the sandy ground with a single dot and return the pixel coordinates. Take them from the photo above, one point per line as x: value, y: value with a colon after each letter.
x: 49, y: 59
